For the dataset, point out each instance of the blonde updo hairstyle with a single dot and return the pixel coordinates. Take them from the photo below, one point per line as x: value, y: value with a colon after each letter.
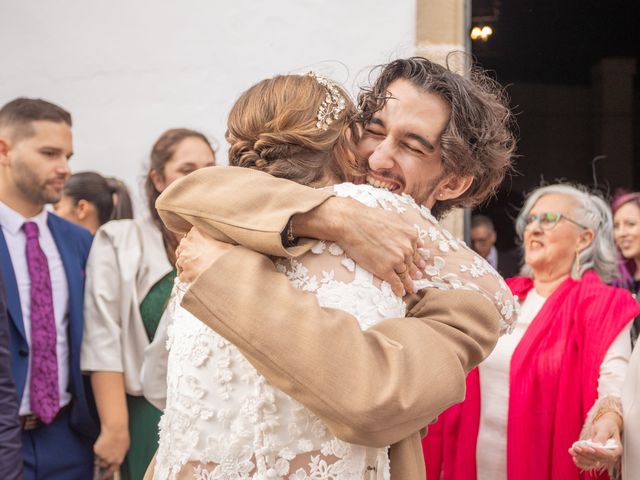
x: 273, y: 127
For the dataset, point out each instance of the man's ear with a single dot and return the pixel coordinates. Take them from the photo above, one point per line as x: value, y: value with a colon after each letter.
x: 5, y: 147
x: 453, y: 187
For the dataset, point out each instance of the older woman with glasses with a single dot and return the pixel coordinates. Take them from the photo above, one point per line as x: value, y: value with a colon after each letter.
x: 527, y: 401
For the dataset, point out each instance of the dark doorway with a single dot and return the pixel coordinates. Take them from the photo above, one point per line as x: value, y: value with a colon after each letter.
x: 570, y: 70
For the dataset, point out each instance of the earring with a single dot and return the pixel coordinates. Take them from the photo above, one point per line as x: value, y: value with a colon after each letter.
x: 577, y: 262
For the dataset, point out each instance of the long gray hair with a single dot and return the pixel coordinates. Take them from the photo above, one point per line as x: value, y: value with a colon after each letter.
x: 592, y: 212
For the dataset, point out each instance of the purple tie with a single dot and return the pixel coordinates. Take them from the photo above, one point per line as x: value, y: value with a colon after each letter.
x: 45, y: 397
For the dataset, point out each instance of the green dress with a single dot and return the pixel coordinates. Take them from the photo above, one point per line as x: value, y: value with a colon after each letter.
x: 144, y: 417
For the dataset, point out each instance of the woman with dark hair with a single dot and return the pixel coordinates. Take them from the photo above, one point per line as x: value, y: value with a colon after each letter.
x: 91, y: 200
x: 130, y: 273
x: 626, y: 230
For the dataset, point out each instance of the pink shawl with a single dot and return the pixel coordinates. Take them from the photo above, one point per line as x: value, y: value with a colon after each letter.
x: 553, y: 384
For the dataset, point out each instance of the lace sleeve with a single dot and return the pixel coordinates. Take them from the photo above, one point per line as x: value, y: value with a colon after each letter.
x: 338, y: 282
x: 450, y: 263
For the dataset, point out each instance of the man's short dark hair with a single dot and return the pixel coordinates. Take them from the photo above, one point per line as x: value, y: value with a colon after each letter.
x: 478, y: 141
x: 482, y: 221
x: 18, y: 115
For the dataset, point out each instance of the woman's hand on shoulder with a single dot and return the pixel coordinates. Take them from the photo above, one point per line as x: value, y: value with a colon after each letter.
x: 196, y: 253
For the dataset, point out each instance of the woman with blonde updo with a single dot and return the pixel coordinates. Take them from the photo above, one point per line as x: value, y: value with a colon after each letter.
x: 223, y: 419
x: 272, y: 129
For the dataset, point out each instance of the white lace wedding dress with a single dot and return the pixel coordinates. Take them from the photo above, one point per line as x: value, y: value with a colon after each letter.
x: 224, y: 421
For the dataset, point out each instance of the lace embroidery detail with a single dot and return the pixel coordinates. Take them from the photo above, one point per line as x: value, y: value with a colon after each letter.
x: 450, y: 263
x: 224, y: 420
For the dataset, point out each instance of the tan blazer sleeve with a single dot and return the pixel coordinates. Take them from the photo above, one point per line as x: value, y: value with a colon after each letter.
x: 372, y: 387
x: 239, y: 205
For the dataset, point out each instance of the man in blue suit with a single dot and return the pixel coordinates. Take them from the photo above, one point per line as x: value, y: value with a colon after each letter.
x: 10, y: 446
x: 42, y: 259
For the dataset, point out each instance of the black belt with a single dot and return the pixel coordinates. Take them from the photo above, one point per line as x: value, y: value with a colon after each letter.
x: 30, y: 422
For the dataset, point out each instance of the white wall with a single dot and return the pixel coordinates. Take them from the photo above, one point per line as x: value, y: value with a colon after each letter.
x: 128, y: 70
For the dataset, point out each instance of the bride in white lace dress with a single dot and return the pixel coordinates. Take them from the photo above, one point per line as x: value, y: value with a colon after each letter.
x: 223, y: 420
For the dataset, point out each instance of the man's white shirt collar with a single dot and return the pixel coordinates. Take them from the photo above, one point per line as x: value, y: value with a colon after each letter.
x: 12, y: 221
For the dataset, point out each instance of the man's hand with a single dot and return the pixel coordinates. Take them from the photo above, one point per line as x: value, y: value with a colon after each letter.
x: 110, y: 449
x: 587, y: 458
x: 379, y: 241
x: 196, y: 253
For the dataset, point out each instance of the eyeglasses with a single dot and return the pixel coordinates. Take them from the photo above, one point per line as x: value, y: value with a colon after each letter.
x: 548, y: 220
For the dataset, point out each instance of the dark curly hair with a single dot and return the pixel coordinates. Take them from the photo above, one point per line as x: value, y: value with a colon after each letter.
x: 478, y: 140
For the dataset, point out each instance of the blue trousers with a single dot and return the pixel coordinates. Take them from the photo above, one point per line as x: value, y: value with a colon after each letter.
x: 56, y: 452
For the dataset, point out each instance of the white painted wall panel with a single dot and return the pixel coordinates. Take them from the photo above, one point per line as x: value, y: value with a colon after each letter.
x: 128, y: 70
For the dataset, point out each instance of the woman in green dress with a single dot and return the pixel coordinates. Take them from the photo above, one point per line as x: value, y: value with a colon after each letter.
x: 130, y: 274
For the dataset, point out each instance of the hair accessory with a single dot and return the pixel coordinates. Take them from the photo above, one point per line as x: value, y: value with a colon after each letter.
x: 332, y: 105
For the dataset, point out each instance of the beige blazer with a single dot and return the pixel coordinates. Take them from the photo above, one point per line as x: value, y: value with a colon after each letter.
x: 127, y: 258
x: 631, y: 409
x: 375, y: 387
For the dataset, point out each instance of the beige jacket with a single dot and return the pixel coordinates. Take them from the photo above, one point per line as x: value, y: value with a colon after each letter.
x: 127, y: 258
x: 375, y: 387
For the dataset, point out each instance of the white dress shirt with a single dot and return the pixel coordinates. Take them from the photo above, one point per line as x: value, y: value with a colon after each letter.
x: 491, y: 450
x: 492, y: 258
x: 16, y: 239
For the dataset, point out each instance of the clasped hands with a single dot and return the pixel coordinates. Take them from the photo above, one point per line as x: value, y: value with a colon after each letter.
x: 379, y: 241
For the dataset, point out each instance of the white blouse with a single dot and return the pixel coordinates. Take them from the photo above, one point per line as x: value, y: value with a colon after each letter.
x: 491, y: 450
x: 127, y: 258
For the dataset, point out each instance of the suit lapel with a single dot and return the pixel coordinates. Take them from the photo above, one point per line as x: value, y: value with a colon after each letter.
x: 73, y: 272
x: 11, y: 286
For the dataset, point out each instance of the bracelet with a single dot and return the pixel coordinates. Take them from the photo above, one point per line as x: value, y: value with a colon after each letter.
x: 291, y: 238
x: 603, y: 411
x: 287, y: 236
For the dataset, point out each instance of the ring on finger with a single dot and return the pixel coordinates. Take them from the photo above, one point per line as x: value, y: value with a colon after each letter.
x: 403, y: 272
